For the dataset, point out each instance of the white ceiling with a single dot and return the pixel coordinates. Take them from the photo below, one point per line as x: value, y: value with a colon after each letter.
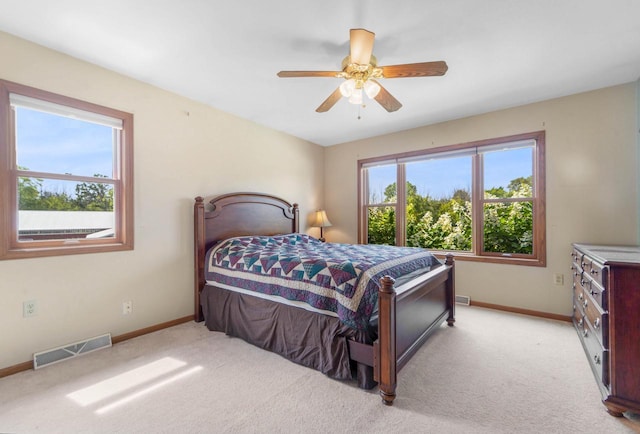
x: 501, y: 53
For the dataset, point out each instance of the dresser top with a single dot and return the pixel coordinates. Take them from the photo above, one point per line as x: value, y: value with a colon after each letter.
x: 611, y: 254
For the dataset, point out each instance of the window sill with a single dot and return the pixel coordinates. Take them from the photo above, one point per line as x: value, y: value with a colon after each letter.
x: 507, y: 260
x: 38, y: 252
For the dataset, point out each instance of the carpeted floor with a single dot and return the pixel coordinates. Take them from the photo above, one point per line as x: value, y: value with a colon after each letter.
x: 494, y: 372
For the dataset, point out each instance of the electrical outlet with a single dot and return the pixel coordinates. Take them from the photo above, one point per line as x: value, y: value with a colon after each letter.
x: 127, y: 307
x: 558, y: 279
x: 29, y: 308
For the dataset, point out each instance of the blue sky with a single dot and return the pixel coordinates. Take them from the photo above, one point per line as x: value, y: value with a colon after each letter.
x: 51, y: 143
x: 56, y: 144
x: 439, y: 178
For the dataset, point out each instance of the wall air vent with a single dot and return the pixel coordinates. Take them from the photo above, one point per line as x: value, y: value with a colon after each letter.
x: 463, y: 299
x: 69, y: 351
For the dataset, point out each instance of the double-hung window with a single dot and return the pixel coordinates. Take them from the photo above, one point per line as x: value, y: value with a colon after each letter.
x: 483, y: 200
x: 67, y: 175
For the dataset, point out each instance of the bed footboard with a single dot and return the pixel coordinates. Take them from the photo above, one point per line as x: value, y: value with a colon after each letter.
x: 405, y: 322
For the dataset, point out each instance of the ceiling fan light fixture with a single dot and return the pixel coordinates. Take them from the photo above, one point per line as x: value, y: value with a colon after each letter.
x: 347, y: 87
x: 356, y: 96
x: 371, y: 89
x: 360, y: 72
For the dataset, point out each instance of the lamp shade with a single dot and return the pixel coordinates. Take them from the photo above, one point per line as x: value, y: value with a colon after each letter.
x: 322, y: 221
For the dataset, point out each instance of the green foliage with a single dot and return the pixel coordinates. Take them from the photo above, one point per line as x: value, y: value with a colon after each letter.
x: 94, y: 196
x: 29, y: 193
x: 446, y: 223
x: 448, y: 228
x: 89, y: 196
x: 382, y: 225
x: 508, y: 226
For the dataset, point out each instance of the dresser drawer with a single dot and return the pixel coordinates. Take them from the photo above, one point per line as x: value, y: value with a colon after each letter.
x: 583, y: 281
x: 598, y: 273
x: 597, y: 355
x: 592, y: 287
x: 578, y: 316
x: 578, y: 259
x: 597, y: 293
x: 578, y: 291
x: 597, y: 319
x: 584, y: 262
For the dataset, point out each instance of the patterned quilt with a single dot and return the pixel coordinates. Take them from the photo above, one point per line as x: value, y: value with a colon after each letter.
x: 342, y: 278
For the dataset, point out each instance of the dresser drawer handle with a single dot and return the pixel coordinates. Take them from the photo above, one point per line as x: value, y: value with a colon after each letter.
x: 585, y: 333
x: 580, y: 322
x: 596, y: 359
x: 580, y: 296
x: 594, y: 271
x: 584, y: 303
x: 596, y: 323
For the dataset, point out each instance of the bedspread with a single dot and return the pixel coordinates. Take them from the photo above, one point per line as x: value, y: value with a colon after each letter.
x: 341, y: 278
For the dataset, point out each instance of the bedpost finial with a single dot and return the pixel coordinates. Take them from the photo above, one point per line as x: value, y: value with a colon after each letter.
x: 199, y: 199
x: 387, y: 284
x: 449, y: 259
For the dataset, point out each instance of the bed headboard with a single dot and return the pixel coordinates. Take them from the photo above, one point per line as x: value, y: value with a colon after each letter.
x: 234, y: 215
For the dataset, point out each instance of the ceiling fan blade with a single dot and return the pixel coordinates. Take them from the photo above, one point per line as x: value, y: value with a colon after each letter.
x: 424, y: 69
x: 286, y: 74
x: 386, y: 100
x: 330, y: 102
x: 361, y: 47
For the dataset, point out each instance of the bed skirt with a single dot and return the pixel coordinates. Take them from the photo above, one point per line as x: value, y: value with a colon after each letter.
x: 304, y: 337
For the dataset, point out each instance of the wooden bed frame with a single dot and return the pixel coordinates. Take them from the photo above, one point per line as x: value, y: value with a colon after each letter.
x: 405, y: 320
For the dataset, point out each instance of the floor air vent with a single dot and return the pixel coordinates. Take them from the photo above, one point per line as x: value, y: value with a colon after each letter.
x: 55, y: 355
x: 463, y: 299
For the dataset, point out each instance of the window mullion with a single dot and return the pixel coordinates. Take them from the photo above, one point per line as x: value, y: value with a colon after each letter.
x: 64, y: 177
x: 477, y: 204
x: 508, y: 200
x: 401, y: 205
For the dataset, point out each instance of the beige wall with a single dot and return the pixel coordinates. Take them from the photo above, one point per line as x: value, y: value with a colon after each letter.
x: 592, y: 186
x: 182, y: 149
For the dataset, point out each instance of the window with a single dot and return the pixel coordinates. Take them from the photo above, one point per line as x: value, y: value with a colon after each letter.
x: 381, y: 204
x: 67, y: 175
x: 482, y: 200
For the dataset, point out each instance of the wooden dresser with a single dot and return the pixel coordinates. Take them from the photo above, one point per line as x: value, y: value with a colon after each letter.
x: 606, y: 314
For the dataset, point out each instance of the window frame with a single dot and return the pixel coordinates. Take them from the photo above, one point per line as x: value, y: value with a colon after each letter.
x: 121, y: 180
x: 478, y: 200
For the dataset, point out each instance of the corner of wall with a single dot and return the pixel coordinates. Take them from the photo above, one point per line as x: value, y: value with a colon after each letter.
x: 638, y: 154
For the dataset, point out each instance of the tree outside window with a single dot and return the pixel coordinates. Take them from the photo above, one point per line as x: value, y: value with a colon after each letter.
x: 502, y: 222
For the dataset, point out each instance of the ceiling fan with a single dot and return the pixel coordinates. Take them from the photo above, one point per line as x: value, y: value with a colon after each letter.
x: 361, y: 72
